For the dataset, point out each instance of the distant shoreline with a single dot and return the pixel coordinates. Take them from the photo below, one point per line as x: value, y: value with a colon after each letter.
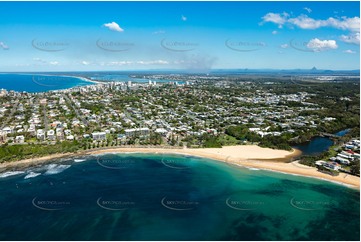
x: 80, y: 78
x: 250, y: 156
x: 87, y: 79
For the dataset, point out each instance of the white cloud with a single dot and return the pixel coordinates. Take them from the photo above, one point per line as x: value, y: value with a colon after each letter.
x: 308, y: 9
x: 85, y: 63
x: 353, y: 38
x: 39, y: 60
x: 352, y: 24
x: 304, y: 22
x: 184, y: 18
x: 318, y: 45
x: 284, y: 46
x: 119, y: 63
x: 156, y: 62
x: 114, y: 27
x: 349, y: 52
x: 4, y: 46
x: 141, y: 62
x: 53, y: 63
x: 344, y: 23
x: 44, y: 62
x: 276, y: 18
x: 274, y: 32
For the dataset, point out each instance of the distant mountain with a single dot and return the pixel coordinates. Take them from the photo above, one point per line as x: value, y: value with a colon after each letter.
x: 312, y: 71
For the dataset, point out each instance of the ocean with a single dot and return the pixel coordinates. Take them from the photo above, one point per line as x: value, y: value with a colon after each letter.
x: 43, y: 83
x: 171, y: 197
x: 39, y: 83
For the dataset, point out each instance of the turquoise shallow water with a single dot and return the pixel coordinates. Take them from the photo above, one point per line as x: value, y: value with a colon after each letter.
x: 155, y: 197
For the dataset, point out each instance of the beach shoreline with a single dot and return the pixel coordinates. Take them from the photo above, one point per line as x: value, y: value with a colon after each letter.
x: 249, y: 156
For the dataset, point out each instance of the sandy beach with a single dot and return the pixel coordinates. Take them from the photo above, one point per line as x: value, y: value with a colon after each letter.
x: 245, y: 155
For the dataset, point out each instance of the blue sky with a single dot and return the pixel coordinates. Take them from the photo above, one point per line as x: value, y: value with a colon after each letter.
x: 82, y: 36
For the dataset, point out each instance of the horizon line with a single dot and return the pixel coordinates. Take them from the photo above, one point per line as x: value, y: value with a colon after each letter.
x: 193, y: 71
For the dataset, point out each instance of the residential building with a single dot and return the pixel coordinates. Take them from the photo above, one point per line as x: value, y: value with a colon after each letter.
x: 40, y: 135
x: 50, y: 134
x: 19, y: 139
x: 137, y: 132
x: 99, y: 135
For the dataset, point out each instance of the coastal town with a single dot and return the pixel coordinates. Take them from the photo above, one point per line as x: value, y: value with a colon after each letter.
x: 192, y: 113
x: 180, y: 121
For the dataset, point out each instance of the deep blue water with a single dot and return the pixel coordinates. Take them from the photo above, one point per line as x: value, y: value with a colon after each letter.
x: 342, y: 132
x: 38, y: 83
x: 318, y: 145
x: 155, y: 197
